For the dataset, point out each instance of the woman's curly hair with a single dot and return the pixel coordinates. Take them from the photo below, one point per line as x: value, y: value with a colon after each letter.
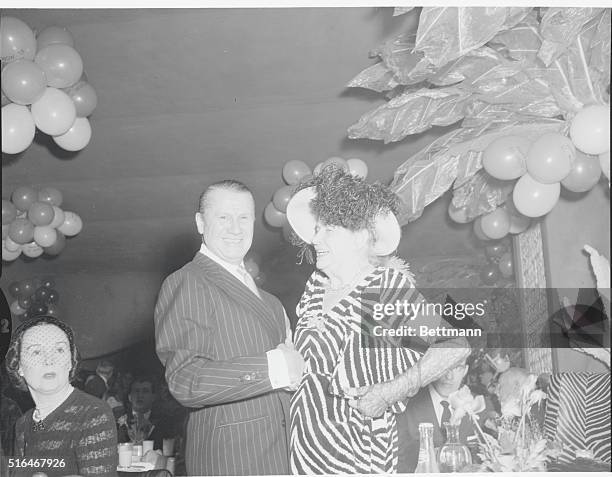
x: 347, y: 201
x: 13, y: 356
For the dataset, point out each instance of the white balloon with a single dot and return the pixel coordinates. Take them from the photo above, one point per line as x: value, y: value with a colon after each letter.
x: 72, y: 224
x: 11, y: 245
x: 77, y: 137
x: 357, y: 167
x: 32, y: 250
x: 54, y: 112
x: 10, y: 256
x: 18, y: 128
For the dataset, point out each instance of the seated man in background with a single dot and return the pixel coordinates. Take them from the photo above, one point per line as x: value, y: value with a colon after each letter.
x: 430, y: 404
x: 142, y: 420
x: 98, y: 384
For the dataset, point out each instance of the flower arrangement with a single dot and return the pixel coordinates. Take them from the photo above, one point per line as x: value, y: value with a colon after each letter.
x: 520, y: 445
x: 138, y: 429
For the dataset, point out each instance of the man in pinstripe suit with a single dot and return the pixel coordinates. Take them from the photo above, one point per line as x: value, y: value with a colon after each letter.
x: 227, y: 346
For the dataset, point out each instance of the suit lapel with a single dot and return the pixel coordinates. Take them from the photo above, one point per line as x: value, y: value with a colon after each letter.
x: 237, y: 291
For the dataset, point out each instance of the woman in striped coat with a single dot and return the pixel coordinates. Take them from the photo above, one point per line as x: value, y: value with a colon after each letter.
x: 345, y: 333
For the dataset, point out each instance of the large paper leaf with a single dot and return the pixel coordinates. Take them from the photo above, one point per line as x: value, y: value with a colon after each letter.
x: 446, y: 33
x: 600, y: 45
x: 377, y: 77
x: 401, y: 10
x: 409, y: 66
x: 456, y: 157
x: 481, y: 193
x: 560, y: 27
x: 411, y: 113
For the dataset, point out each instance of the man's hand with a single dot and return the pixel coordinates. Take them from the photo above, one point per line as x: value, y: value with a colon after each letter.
x: 369, y: 400
x: 295, y: 364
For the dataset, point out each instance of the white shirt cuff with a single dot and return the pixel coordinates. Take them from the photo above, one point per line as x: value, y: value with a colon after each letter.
x: 278, y: 372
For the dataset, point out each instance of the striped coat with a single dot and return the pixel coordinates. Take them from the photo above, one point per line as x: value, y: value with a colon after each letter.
x: 578, y: 414
x: 212, y: 334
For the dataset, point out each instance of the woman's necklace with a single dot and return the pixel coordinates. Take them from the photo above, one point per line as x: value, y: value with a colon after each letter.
x: 41, y: 412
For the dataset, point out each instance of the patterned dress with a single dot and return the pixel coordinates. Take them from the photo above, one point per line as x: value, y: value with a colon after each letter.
x: 327, y: 435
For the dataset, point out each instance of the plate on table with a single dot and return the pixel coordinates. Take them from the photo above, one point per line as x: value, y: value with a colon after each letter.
x: 137, y: 467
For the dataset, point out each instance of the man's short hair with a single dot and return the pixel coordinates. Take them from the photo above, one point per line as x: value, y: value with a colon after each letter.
x: 227, y: 184
x: 144, y: 379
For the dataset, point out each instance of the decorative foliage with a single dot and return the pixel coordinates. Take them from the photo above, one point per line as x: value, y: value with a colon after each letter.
x: 500, y: 71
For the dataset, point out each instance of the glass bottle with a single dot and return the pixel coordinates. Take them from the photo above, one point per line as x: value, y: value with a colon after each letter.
x: 453, y: 455
x: 427, y: 455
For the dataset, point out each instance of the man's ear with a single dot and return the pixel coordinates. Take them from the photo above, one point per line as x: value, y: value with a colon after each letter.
x: 199, y: 219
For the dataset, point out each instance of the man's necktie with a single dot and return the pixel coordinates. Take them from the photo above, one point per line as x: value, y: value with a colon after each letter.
x: 446, y: 415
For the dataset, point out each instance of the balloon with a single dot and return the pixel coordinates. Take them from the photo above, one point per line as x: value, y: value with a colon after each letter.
x: 23, y: 197
x: 48, y: 283
x: 5, y: 231
x: 58, y: 217
x: 54, y: 113
x: 25, y: 302
x: 357, y: 167
x: 585, y: 173
x: 494, y: 251
x: 61, y: 63
x: 18, y: 128
x: 15, y: 289
x: 495, y: 224
x: 519, y: 223
x: 505, y: 157
x: 251, y: 267
x: 506, y: 265
x: 32, y: 250
x: 550, y: 158
x: 84, y: 97
x: 273, y: 216
x: 16, y: 309
x: 45, y: 236
x: 534, y: 199
x: 294, y: 170
x: 53, y: 296
x: 10, y: 256
x: 58, y: 246
x: 38, y: 309
x: 21, y: 231
x: 41, y: 295
x: 50, y: 195
x: 338, y: 161
x: 72, y: 224
x: 9, y: 212
x: 54, y: 35
x: 458, y: 215
x: 23, y: 81
x: 489, y: 274
x: 11, y: 245
x: 16, y: 40
x: 604, y: 162
x: 281, y: 197
x: 40, y: 213
x: 27, y: 288
x: 52, y: 310
x: 590, y: 129
x: 478, y: 230
x: 77, y: 137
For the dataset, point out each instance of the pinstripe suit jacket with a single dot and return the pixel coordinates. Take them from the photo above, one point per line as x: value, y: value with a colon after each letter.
x: 212, y: 334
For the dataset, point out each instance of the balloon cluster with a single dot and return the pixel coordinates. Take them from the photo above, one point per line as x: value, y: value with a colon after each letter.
x: 542, y: 167
x: 295, y: 172
x: 500, y: 263
x: 33, y: 223
x: 44, y: 87
x: 34, y: 297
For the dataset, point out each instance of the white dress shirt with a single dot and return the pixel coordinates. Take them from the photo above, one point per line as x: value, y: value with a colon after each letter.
x: 278, y: 371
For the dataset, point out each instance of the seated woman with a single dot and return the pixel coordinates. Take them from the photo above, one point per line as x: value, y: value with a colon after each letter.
x: 69, y: 431
x: 341, y: 334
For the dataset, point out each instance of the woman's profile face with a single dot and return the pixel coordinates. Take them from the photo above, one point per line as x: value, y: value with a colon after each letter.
x: 45, y: 359
x: 337, y: 247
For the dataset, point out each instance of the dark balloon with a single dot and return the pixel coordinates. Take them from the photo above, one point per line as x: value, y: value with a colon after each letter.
x: 38, y: 309
x: 27, y: 288
x: 48, y: 283
x: 58, y: 246
x: 25, y: 303
x: 53, y: 296
x: 42, y: 294
x: 15, y: 289
x: 489, y: 274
